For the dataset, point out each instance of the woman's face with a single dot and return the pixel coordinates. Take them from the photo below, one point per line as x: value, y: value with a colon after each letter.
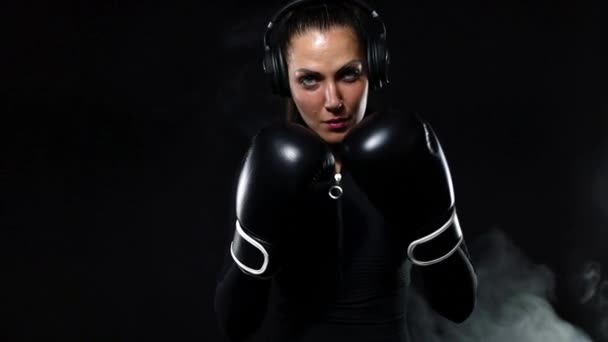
x: 328, y: 80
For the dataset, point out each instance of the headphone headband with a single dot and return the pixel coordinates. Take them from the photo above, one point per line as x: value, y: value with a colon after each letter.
x: 298, y: 3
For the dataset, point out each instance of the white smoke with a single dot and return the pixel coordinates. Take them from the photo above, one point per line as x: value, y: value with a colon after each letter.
x: 589, y: 281
x: 597, y: 306
x: 514, y: 301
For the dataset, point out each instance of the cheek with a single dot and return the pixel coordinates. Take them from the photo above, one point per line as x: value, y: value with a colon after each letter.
x: 309, y: 103
x: 355, y: 94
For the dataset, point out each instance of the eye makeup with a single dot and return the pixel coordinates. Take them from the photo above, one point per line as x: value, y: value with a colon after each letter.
x: 350, y: 72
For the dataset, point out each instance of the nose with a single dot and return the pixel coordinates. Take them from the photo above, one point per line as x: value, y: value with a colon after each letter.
x: 333, y: 98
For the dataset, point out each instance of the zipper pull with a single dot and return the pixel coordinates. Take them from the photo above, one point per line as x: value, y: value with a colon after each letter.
x: 336, y: 191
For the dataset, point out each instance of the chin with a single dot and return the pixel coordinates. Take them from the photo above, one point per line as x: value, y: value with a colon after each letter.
x: 334, y: 137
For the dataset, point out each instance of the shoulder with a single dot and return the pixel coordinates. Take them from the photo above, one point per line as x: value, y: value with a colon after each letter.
x: 406, y: 126
x: 398, y: 118
x: 286, y: 135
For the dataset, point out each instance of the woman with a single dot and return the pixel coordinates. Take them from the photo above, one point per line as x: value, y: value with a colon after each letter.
x: 334, y: 206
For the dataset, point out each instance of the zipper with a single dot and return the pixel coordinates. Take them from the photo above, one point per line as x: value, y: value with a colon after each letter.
x: 336, y: 192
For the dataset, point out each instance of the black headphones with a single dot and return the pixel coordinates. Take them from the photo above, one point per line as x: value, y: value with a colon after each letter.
x: 275, y: 66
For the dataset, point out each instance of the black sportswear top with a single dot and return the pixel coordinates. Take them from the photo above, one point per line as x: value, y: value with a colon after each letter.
x: 347, y: 279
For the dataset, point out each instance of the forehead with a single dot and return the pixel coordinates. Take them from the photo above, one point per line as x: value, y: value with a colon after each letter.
x: 324, y: 49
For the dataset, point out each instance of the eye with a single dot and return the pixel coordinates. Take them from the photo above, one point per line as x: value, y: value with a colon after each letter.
x: 351, y: 75
x: 307, y: 81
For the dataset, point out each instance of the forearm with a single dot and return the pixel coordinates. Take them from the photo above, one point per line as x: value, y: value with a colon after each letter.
x: 450, y: 286
x: 240, y: 302
x: 394, y: 153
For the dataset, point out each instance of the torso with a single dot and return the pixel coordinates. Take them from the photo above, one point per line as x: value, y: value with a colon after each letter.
x: 356, y: 292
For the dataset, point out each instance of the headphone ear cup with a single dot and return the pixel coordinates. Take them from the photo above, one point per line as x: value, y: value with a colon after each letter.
x: 383, y: 62
x: 377, y: 60
x: 282, y: 74
x: 275, y: 70
x: 371, y: 65
x: 270, y: 69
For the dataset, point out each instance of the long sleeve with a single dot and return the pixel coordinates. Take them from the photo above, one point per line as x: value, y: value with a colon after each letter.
x: 450, y: 286
x: 240, y: 301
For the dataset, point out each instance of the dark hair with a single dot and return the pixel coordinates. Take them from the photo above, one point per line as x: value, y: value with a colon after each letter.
x: 320, y: 16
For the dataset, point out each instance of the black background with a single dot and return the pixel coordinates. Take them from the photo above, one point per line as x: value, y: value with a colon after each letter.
x: 125, y: 123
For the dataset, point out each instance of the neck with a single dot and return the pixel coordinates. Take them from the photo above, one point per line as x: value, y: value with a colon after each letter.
x: 336, y: 151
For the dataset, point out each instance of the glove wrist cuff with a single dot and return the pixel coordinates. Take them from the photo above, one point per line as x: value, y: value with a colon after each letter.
x: 252, y: 255
x: 438, y: 245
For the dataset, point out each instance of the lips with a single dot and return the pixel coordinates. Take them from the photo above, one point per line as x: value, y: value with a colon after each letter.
x: 338, y: 124
x: 337, y: 120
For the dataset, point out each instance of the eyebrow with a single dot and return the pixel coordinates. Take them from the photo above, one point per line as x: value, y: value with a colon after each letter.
x: 345, y: 66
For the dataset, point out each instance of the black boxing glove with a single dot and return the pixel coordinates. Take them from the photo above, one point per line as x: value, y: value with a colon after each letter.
x: 283, y: 162
x: 398, y: 161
